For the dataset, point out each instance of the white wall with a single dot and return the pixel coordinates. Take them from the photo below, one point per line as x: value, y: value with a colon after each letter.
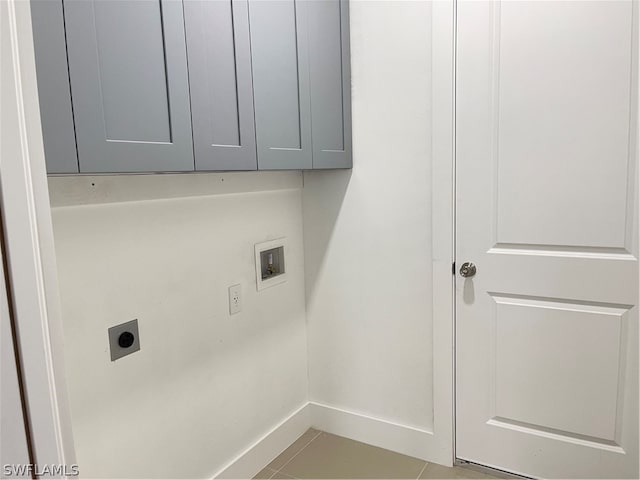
x: 205, y: 385
x: 368, y: 234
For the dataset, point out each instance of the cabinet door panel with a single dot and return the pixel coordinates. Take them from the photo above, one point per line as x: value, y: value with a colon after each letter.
x: 129, y: 85
x: 279, y: 51
x: 220, y: 79
x: 329, y: 71
x: 53, y: 86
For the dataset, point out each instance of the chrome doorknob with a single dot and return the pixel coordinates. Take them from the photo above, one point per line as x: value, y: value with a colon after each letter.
x: 467, y: 269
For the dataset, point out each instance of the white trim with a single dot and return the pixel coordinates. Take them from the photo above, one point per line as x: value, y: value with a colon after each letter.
x: 392, y: 436
x: 262, y: 452
x: 14, y: 448
x: 29, y: 240
x: 443, y: 222
x: 396, y: 437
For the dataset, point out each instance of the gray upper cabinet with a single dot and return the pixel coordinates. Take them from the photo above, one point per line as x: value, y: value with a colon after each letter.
x: 129, y: 85
x: 53, y: 86
x: 329, y: 70
x: 279, y: 51
x: 219, y: 56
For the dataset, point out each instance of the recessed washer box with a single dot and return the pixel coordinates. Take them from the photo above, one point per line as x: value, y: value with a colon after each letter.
x: 271, y: 266
x: 124, y: 339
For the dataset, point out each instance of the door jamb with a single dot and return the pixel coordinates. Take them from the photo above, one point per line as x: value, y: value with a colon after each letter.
x: 31, y: 261
x: 443, y: 226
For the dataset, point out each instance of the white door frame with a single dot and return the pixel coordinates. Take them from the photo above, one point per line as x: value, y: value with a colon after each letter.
x: 14, y: 445
x: 30, y: 251
x: 443, y: 226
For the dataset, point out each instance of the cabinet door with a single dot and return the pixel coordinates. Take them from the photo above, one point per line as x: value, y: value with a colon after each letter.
x: 330, y: 87
x: 329, y: 71
x: 129, y: 85
x: 220, y: 79
x: 279, y: 51
x: 53, y: 86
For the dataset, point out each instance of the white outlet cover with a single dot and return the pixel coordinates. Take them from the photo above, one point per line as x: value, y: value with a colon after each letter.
x: 235, y: 299
x: 281, y: 278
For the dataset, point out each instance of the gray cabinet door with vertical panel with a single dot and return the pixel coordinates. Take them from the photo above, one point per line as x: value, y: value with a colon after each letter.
x: 129, y: 85
x: 219, y: 57
x: 281, y: 83
x: 330, y: 87
x: 53, y: 86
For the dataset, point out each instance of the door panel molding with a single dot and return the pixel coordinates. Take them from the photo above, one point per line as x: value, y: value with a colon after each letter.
x: 561, y: 251
x: 553, y: 434
x: 589, y: 134
x: 556, y: 324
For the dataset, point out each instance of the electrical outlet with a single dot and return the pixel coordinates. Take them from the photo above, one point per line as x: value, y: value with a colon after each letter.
x: 235, y: 299
x: 124, y: 339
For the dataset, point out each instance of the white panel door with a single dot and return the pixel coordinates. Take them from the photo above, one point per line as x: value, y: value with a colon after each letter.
x: 547, y: 329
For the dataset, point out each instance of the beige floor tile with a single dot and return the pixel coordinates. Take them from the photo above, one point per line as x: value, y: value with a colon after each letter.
x: 294, y: 448
x: 281, y: 476
x: 265, y: 473
x: 330, y: 456
x: 438, y: 471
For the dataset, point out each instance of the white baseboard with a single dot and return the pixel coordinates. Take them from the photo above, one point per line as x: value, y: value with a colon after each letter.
x: 262, y: 452
x: 396, y: 437
x: 374, y: 431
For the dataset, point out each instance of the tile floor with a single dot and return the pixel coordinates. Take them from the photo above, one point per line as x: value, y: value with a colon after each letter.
x: 318, y: 454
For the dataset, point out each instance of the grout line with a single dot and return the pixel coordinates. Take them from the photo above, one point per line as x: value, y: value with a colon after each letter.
x: 285, y: 475
x: 423, y: 469
x: 273, y: 472
x: 299, y: 451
